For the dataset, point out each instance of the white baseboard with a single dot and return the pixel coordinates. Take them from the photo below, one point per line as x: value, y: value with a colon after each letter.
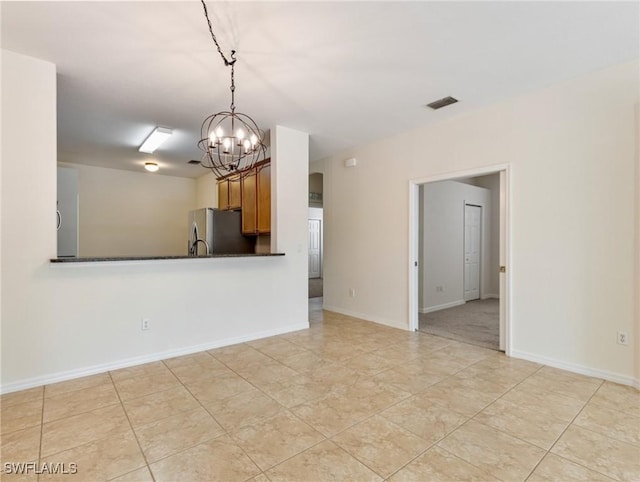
x: 140, y: 360
x: 367, y: 317
x: 576, y: 368
x: 490, y: 296
x: 444, y: 306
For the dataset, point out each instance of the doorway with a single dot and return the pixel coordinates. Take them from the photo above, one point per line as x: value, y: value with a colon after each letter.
x: 316, y: 233
x: 449, y: 288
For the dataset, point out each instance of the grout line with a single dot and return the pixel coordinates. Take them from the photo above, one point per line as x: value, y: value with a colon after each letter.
x: 135, y: 435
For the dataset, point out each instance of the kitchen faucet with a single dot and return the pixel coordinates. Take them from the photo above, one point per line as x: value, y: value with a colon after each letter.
x: 193, y: 250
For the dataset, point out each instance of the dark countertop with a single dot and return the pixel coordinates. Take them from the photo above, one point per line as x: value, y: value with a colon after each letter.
x: 152, y: 258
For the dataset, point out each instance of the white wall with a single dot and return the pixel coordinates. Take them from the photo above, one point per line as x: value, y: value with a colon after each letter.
x: 442, y: 254
x: 126, y: 213
x: 206, y: 191
x: 571, y: 150
x: 61, y: 321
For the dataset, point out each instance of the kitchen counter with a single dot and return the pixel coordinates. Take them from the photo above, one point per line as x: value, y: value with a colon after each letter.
x: 148, y: 258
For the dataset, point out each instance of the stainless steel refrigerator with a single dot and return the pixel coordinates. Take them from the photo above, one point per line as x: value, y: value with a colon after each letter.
x: 213, y: 231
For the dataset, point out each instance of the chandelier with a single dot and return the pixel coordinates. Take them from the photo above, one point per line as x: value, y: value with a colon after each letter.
x: 231, y: 141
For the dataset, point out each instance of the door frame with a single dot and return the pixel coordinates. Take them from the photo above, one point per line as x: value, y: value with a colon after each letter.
x: 505, y: 243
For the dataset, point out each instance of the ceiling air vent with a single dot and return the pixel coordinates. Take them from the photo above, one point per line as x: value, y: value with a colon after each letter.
x: 439, y: 104
x: 193, y: 161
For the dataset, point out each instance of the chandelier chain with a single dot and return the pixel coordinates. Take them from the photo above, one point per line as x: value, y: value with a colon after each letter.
x: 227, y: 62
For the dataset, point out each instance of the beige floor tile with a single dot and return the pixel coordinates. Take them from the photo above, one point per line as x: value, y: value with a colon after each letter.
x: 618, y: 397
x: 323, y: 462
x: 70, y: 432
x: 21, y: 397
x: 530, y: 398
x: 219, y: 387
x: 571, y: 385
x: 244, y: 409
x: 497, y: 453
x: 219, y: 459
x: 612, y: 423
x: 554, y: 468
x: 92, y: 381
x: 200, y: 358
x: 408, y: 378
x: 139, y: 475
x: 600, y: 453
x: 276, y: 439
x: 134, y: 387
x: 266, y: 374
x: 241, y: 357
x: 297, y: 390
x: 381, y: 445
x: 399, y: 354
x: 171, y: 435
x: 79, y: 401
x: 302, y: 362
x: 21, y: 415
x: 20, y: 446
x: 189, y: 373
x: 369, y: 364
x: 438, y: 465
x: 157, y: 406
x: 146, y: 370
x: 23, y: 471
x: 332, y: 375
x: 455, y: 396
x: 465, y: 353
x: 333, y: 413
x: 439, y: 364
x: 536, y: 427
x: 100, y: 460
x: 280, y: 349
x: 424, y: 418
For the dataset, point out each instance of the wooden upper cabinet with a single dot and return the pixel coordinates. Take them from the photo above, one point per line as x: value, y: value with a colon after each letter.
x: 264, y: 199
x: 249, y: 203
x: 235, y: 192
x: 223, y: 194
x: 230, y: 193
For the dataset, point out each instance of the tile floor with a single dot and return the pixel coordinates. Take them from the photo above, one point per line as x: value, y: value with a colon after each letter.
x: 344, y: 400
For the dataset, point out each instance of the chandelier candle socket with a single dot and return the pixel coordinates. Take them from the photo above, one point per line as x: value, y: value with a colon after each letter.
x: 231, y: 141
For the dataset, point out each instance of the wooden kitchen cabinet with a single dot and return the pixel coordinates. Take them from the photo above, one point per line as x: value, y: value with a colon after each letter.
x: 256, y: 200
x: 264, y: 199
x: 230, y: 193
x: 250, y: 203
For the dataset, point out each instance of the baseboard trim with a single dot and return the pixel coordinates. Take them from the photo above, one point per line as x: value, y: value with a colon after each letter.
x: 130, y: 362
x: 366, y: 317
x: 577, y: 368
x: 490, y: 296
x: 444, y: 306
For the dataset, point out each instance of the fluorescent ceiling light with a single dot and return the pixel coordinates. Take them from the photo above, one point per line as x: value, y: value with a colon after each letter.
x: 151, y: 166
x: 157, y: 137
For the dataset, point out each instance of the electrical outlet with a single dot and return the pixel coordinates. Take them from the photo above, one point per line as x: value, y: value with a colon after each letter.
x: 352, y: 292
x: 145, y: 324
x: 623, y: 338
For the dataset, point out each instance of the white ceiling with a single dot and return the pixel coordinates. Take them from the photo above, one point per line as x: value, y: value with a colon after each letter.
x: 345, y: 72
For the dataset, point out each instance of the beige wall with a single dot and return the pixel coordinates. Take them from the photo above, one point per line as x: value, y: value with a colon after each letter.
x: 571, y: 148
x: 125, y: 213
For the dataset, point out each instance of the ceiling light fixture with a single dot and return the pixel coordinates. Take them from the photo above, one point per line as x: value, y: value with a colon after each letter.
x: 155, y: 139
x: 151, y: 166
x: 231, y: 141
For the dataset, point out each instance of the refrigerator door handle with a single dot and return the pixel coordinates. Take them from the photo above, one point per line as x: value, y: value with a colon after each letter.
x: 58, y: 220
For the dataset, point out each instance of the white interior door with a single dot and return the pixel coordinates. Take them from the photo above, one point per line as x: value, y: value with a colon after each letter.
x: 472, y: 233
x: 314, y: 248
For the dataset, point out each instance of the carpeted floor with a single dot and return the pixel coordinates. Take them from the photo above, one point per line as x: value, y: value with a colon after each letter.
x: 475, y: 322
x: 315, y: 287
